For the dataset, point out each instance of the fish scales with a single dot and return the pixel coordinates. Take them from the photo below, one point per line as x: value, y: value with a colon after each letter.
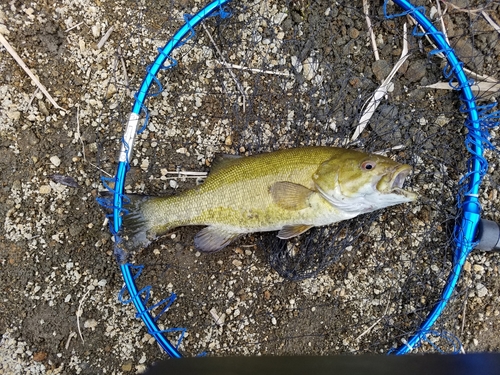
x: 225, y: 196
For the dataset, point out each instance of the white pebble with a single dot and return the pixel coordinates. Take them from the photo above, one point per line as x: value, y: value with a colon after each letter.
x: 279, y: 18
x: 481, y: 290
x: 478, y: 268
x: 310, y: 68
x: 144, y: 164
x: 45, y: 189
x: 14, y: 115
x: 91, y: 323
x: 296, y: 64
x: 55, y: 160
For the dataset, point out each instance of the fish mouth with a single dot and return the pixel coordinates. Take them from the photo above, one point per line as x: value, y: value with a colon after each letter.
x: 398, y: 179
x: 392, y: 183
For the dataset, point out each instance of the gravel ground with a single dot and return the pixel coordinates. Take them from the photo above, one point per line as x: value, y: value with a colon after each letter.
x: 60, y: 282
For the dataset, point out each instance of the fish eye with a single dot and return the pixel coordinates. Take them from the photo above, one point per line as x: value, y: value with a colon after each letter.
x: 368, y: 165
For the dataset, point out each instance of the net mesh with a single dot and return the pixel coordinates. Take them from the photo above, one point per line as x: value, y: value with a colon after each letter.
x: 277, y: 75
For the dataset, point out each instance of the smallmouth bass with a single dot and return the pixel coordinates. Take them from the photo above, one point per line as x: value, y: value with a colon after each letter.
x: 288, y: 191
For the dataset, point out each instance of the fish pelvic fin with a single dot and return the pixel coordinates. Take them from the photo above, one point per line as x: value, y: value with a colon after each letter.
x: 213, y: 238
x: 136, y: 230
x: 289, y: 231
x: 289, y: 195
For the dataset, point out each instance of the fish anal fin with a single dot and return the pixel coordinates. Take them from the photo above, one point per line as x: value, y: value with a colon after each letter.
x: 289, y: 195
x: 289, y: 231
x: 212, y: 239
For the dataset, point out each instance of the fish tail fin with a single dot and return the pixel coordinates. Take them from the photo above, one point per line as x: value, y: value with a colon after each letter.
x: 136, y: 230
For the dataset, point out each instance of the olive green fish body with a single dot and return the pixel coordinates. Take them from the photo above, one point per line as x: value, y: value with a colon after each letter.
x: 289, y: 190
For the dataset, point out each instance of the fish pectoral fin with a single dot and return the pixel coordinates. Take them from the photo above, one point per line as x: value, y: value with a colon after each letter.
x: 212, y: 239
x: 289, y: 195
x: 289, y: 231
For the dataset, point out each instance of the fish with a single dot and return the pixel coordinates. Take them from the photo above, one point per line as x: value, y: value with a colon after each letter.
x: 289, y: 191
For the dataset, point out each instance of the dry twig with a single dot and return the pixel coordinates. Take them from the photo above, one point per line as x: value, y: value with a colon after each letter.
x: 376, y: 322
x: 21, y: 63
x: 370, y: 29
x: 253, y: 70
x: 79, y: 313
x: 105, y: 38
x: 490, y: 21
x: 238, y: 85
x: 78, y: 137
x: 372, y: 104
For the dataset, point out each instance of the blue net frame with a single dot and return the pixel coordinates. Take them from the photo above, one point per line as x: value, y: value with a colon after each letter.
x: 479, y: 120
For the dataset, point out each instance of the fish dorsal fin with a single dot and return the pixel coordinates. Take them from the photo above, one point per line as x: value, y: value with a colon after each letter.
x: 223, y: 161
x: 212, y: 239
x: 289, y: 231
x: 289, y: 195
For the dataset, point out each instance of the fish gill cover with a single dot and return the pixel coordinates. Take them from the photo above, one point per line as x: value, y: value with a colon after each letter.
x: 271, y: 75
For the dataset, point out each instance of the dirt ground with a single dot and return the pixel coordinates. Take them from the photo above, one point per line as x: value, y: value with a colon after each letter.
x: 60, y: 283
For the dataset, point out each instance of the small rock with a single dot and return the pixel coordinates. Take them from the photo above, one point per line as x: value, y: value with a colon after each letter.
x: 14, y: 115
x: 310, y: 68
x: 416, y: 71
x: 43, y: 108
x: 279, y: 18
x: 381, y: 69
x: 468, y: 54
x: 127, y: 366
x: 442, y: 120
x: 467, y: 266
x: 45, y: 189
x: 353, y: 33
x: 296, y: 63
x: 90, y: 323
x: 478, y: 268
x: 481, y: 290
x: 142, y: 359
x: 110, y: 91
x: 39, y: 356
x: 55, y: 160
x: 355, y: 82
x: 4, y: 30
